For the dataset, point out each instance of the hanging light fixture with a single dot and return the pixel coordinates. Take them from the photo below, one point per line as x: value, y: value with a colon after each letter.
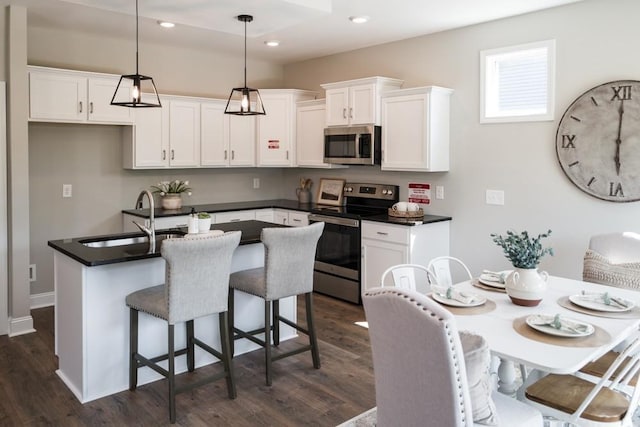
x: 136, y: 90
x: 245, y: 101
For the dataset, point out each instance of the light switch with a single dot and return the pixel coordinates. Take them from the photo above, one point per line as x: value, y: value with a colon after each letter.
x: 256, y: 183
x: 67, y: 190
x: 439, y: 192
x: 495, y: 197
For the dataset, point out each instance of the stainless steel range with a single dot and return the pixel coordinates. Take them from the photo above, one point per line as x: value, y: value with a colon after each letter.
x: 337, y: 266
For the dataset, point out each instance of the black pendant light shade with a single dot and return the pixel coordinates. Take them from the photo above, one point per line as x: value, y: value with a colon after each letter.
x: 136, y: 90
x: 245, y: 101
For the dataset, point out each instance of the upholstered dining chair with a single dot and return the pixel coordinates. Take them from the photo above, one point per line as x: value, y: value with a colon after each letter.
x: 426, y: 373
x: 609, y: 401
x: 441, y: 269
x: 414, y: 277
x: 288, y: 271
x: 196, y: 285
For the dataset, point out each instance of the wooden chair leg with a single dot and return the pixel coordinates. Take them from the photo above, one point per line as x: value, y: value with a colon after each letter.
x: 267, y: 340
x: 276, y: 322
x: 133, y: 349
x: 171, y: 376
x: 313, y: 339
x: 190, y: 346
x: 223, y: 320
x: 231, y: 318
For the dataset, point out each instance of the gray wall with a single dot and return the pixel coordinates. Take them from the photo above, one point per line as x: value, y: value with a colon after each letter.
x: 596, y: 41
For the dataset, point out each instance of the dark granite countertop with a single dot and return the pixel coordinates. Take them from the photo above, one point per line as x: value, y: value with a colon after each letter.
x: 89, y: 256
x: 427, y: 219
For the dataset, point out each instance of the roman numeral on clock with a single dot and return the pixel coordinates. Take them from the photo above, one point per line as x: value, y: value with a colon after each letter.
x: 615, y: 189
x: 621, y: 93
x: 567, y: 141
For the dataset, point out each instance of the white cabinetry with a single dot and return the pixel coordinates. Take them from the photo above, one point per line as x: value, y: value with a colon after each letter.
x: 356, y: 102
x: 161, y: 223
x: 415, y: 129
x: 384, y: 245
x: 310, y: 124
x: 58, y: 95
x: 226, y: 140
x: 291, y: 218
x: 235, y: 216
x: 265, y: 215
x: 184, y: 133
x: 277, y: 129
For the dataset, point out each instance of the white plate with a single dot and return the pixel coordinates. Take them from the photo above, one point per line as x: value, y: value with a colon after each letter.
x: 491, y: 283
x: 589, y: 303
x: 478, y: 300
x: 538, y: 322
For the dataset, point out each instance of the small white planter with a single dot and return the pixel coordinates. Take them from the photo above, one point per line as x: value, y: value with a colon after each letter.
x: 204, y: 225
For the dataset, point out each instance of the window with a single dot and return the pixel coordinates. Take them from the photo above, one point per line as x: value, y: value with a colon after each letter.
x: 517, y: 83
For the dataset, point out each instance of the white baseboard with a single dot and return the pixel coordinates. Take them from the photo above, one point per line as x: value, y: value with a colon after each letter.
x: 45, y: 299
x: 20, y: 326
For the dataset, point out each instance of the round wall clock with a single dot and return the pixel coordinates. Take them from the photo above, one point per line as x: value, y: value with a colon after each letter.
x: 598, y: 141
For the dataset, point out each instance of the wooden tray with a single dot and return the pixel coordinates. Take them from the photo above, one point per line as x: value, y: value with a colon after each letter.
x: 413, y: 214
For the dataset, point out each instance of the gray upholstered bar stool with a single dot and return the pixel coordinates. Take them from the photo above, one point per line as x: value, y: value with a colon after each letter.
x: 288, y: 270
x: 196, y: 285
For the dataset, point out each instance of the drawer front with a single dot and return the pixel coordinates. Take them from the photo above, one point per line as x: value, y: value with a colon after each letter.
x: 235, y: 216
x: 172, y: 222
x: 386, y: 233
x: 298, y: 219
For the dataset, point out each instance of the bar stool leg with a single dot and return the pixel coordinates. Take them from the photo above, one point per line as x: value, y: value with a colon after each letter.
x: 276, y: 322
x: 313, y: 339
x: 223, y: 321
x: 190, y: 347
x: 267, y: 339
x: 231, y: 334
x: 133, y: 349
x: 171, y: 377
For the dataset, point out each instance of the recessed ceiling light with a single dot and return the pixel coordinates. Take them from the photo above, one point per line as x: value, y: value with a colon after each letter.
x: 165, y: 24
x: 358, y: 19
x: 272, y: 43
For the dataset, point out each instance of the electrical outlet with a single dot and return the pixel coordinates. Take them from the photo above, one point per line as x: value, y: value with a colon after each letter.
x: 439, y: 192
x: 67, y: 190
x: 32, y: 272
x: 495, y: 197
x: 256, y: 183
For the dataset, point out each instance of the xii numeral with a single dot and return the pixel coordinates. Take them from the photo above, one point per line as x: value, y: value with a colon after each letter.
x: 615, y: 190
x: 621, y: 93
x: 567, y: 141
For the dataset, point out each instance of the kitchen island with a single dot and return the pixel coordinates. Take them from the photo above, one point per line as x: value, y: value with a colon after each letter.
x: 92, y: 320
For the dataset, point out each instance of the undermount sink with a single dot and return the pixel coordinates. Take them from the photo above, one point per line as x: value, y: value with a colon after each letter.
x: 126, y: 240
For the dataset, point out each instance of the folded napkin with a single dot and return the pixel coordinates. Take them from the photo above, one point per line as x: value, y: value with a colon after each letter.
x: 556, y: 322
x: 494, y: 276
x: 605, y: 298
x: 449, y: 292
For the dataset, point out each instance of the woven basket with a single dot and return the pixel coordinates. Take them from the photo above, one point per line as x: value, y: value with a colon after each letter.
x: 408, y: 214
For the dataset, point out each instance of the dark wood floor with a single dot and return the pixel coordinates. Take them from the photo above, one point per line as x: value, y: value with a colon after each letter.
x: 32, y: 394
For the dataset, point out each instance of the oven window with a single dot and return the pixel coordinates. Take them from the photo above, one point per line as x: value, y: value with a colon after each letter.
x: 340, y: 146
x: 339, y: 245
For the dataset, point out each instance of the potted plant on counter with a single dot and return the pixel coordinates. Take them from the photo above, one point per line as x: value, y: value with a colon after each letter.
x: 171, y: 193
x: 204, y: 222
x: 525, y: 285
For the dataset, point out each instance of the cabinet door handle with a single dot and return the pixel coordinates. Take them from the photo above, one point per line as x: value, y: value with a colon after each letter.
x: 382, y: 233
x: 344, y: 113
x: 91, y: 107
x: 182, y: 225
x: 164, y: 154
x: 233, y: 154
x: 80, y: 106
x: 351, y: 113
x: 287, y: 154
x: 173, y: 154
x: 234, y: 220
x: 297, y: 220
x: 225, y: 154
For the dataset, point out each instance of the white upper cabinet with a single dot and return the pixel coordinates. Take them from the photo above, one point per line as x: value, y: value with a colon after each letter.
x: 184, y: 133
x: 277, y: 129
x: 356, y: 102
x: 310, y: 124
x: 226, y: 140
x: 415, y: 129
x: 57, y: 95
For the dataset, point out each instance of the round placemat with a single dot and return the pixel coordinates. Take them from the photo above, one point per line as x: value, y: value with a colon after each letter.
x: 634, y: 313
x: 598, y: 338
x: 487, y: 307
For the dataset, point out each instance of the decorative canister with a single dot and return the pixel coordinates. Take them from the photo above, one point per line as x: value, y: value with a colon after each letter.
x: 526, y: 286
x: 171, y: 201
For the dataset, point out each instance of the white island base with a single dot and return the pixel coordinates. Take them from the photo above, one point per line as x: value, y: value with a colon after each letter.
x: 92, y: 322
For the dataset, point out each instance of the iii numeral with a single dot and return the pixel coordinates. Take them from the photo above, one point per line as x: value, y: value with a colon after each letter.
x: 567, y: 141
x: 621, y: 93
x: 615, y: 190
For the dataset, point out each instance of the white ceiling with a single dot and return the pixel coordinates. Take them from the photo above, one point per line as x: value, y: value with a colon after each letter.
x: 305, y: 28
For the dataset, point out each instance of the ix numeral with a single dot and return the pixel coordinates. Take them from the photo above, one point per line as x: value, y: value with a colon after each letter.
x: 621, y: 93
x: 567, y: 141
x: 615, y: 190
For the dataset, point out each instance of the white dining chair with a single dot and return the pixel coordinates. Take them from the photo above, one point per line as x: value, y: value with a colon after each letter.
x: 613, y: 259
x: 610, y: 401
x: 414, y: 277
x: 425, y: 374
x: 441, y: 269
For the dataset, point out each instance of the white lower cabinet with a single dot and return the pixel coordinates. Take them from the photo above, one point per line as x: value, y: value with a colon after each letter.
x: 265, y: 215
x: 385, y: 245
x: 235, y: 216
x: 161, y: 223
x: 292, y: 218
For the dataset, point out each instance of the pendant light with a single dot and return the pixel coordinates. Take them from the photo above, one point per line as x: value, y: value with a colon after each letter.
x: 136, y: 90
x: 245, y: 101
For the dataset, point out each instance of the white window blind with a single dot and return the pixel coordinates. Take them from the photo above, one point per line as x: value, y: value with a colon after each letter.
x: 517, y: 83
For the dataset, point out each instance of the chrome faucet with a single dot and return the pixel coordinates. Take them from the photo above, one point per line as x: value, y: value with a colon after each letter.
x: 151, y: 230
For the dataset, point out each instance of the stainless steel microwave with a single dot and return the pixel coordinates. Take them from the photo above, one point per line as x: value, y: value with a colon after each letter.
x: 353, y: 145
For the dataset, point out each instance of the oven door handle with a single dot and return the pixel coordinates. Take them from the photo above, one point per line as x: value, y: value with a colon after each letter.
x: 348, y: 222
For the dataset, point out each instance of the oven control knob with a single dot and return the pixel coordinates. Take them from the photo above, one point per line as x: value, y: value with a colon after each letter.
x: 348, y: 189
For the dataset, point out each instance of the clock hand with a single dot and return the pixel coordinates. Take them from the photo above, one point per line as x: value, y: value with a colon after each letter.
x: 616, y: 158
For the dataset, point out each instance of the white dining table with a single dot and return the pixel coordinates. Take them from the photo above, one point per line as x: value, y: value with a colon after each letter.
x: 497, y: 327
